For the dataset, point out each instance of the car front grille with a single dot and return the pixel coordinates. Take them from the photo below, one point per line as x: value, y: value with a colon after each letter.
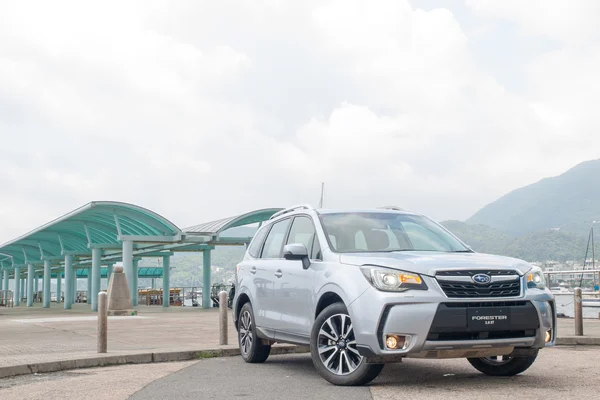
x: 452, y: 321
x: 458, y: 283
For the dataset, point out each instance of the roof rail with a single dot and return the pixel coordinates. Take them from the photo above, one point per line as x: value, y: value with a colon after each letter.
x: 290, y: 209
x: 392, y: 208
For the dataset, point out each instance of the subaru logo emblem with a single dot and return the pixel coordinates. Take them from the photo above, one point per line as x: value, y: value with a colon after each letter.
x: 481, y: 279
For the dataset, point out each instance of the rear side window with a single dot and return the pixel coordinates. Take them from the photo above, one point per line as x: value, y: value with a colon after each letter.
x: 259, y: 238
x: 274, y: 242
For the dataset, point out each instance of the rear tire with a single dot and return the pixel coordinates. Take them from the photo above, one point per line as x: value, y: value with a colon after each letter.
x: 251, y: 347
x: 500, y: 366
x: 333, y: 349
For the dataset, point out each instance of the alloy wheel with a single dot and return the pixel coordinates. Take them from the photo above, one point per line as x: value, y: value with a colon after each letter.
x: 337, y: 345
x: 497, y: 360
x: 245, y: 334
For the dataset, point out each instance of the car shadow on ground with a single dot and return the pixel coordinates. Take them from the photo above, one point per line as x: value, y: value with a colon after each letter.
x: 419, y: 373
x: 456, y: 372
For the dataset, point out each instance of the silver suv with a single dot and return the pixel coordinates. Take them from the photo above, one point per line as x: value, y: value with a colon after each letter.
x: 366, y: 287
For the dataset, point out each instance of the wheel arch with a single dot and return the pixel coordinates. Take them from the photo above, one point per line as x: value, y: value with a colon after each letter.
x: 242, y: 299
x: 328, y: 295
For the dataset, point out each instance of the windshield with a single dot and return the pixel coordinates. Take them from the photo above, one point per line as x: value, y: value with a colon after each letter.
x: 385, y: 232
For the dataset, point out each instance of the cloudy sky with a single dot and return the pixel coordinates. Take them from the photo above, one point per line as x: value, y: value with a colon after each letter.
x: 200, y: 110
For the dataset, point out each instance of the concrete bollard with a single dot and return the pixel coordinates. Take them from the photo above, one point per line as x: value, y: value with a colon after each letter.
x: 223, y: 317
x: 578, y: 312
x: 102, y: 323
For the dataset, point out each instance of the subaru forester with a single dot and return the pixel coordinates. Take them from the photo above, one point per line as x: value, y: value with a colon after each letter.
x: 364, y: 288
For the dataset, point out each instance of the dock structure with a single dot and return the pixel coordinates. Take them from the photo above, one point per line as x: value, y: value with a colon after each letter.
x: 87, y: 243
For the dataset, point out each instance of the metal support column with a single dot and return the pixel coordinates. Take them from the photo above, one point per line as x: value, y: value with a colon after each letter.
x: 46, y: 284
x: 95, y: 289
x: 23, y: 290
x: 68, y: 281
x: 134, y: 295
x: 128, y: 264
x: 88, y: 300
x: 36, y: 279
x: 166, y: 279
x: 58, y: 286
x: 74, y: 286
x: 5, y: 283
x: 2, y: 279
x: 206, y: 302
x: 30, y: 277
x: 17, y: 293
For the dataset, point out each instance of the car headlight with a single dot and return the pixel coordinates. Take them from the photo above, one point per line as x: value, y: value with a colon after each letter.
x: 536, y: 279
x: 392, y: 280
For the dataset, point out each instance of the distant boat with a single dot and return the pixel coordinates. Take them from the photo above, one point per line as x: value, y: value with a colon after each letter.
x: 590, y: 303
x: 560, y: 290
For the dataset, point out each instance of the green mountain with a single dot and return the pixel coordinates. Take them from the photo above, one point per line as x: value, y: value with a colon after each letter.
x: 480, y: 238
x: 569, y: 202
x: 534, y: 246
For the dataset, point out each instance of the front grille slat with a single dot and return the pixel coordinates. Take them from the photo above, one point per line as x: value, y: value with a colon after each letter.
x: 471, y: 272
x: 480, y: 304
x: 455, y: 289
x: 464, y: 335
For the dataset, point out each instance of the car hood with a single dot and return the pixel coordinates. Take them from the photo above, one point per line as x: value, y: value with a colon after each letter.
x: 428, y: 262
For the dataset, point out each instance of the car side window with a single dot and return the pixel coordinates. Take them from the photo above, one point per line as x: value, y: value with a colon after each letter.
x: 303, y: 231
x: 259, y: 238
x: 274, y: 242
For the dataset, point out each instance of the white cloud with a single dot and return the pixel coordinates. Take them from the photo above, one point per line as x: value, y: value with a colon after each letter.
x: 562, y: 83
x: 567, y: 21
x: 201, y: 110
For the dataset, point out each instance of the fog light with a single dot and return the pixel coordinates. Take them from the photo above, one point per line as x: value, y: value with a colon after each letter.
x: 397, y: 342
x: 391, y: 342
x: 548, y: 336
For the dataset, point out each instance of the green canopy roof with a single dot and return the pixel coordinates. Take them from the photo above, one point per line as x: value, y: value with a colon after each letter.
x: 101, y: 223
x: 215, y: 228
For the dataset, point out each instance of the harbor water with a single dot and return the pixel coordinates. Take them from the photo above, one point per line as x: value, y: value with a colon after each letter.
x: 564, y: 305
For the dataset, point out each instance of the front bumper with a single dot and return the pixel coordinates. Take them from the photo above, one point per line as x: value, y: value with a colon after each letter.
x: 438, y: 325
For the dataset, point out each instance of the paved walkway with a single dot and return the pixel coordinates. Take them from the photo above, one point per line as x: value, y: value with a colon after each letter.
x: 37, y: 335
x: 34, y: 335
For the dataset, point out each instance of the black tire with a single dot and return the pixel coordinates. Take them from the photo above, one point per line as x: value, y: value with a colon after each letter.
x: 252, y: 348
x: 325, y: 355
x: 510, y: 367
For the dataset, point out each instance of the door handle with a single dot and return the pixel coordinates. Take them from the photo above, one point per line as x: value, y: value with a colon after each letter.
x: 253, y: 270
x: 278, y: 273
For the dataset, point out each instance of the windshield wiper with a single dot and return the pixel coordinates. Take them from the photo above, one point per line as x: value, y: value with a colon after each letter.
x: 462, y: 251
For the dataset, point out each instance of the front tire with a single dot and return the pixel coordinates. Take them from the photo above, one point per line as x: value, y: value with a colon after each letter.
x: 333, y: 349
x: 502, y: 365
x: 251, y: 347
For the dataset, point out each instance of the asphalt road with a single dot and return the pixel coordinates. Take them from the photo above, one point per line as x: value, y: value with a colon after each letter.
x: 559, y: 373
x: 565, y: 372
x: 281, y: 377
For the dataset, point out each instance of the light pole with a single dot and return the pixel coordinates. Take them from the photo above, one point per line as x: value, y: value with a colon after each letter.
x: 596, y: 288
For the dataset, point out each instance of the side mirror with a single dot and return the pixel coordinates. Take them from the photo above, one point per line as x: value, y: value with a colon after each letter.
x: 297, y: 251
